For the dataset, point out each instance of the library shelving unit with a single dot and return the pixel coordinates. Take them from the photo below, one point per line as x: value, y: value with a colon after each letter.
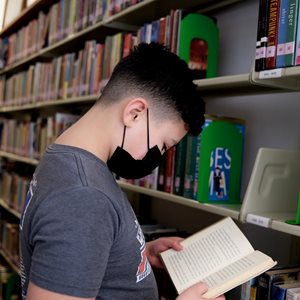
x: 283, y: 80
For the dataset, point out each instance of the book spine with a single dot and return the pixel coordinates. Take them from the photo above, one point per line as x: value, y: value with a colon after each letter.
x: 258, y: 36
x: 291, y: 33
x: 189, y: 179
x: 169, y: 171
x: 179, y: 167
x: 297, y: 45
x: 272, y: 33
x: 282, y: 33
x: 196, y: 174
x: 264, y: 34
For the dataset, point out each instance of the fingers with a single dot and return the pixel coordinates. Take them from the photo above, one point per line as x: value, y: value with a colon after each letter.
x: 174, y: 243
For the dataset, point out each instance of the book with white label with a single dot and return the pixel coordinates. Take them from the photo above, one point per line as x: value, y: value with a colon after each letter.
x: 220, y: 255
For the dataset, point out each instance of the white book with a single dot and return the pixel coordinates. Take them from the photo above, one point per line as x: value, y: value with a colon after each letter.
x: 220, y: 255
x: 293, y: 294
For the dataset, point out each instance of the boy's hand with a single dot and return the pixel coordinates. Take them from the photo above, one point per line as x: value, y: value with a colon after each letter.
x: 155, y: 247
x: 196, y: 292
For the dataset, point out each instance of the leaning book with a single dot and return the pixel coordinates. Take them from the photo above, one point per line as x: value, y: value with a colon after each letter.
x: 220, y: 255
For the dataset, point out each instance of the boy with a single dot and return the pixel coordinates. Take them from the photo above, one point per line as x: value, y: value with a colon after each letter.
x: 79, y: 236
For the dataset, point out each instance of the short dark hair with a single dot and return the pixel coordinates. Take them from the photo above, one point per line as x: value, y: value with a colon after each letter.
x: 160, y: 76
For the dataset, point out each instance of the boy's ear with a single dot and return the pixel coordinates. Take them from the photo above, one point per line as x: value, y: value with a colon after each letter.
x: 134, y: 110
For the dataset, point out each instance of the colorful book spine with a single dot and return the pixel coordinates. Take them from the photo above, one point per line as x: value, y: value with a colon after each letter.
x: 274, y: 11
x: 291, y: 33
x: 263, y: 33
x: 282, y: 33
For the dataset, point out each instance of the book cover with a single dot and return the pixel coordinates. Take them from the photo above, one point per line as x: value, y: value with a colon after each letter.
x: 220, y: 164
x: 230, y: 262
x: 274, y: 11
x: 282, y: 33
x: 199, y: 44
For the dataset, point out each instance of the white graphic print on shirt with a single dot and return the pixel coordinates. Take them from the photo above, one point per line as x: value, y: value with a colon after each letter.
x: 144, y: 268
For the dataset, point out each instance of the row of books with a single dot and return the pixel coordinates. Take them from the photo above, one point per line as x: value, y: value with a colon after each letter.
x: 61, y: 21
x: 85, y: 72
x: 278, y: 34
x: 13, y: 189
x: 28, y: 40
x: 30, y: 138
x: 9, y: 240
x: 70, y: 75
x: 279, y: 283
x: 10, y: 287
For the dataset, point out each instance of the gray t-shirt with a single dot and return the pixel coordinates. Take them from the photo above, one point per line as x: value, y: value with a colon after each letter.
x: 78, y: 233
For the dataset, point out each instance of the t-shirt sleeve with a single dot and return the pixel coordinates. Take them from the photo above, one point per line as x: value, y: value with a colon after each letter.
x: 72, y: 234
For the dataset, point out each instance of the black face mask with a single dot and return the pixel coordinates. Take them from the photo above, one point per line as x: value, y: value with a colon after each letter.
x: 125, y: 166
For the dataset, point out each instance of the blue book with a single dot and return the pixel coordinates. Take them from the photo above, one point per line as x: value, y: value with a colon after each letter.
x: 155, y: 31
x: 282, y: 33
x: 279, y: 289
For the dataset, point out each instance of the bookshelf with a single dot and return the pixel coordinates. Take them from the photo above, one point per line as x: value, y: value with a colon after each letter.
x: 9, y: 209
x: 19, y: 158
x: 251, y: 83
x: 10, y: 262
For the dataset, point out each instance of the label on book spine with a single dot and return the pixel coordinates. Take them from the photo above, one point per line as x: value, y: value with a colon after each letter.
x: 258, y: 220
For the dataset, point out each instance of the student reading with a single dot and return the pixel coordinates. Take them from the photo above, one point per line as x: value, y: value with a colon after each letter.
x: 79, y: 236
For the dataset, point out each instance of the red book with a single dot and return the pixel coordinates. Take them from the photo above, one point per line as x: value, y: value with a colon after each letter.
x: 162, y: 31
x: 126, y: 44
x: 169, y: 171
x: 274, y: 10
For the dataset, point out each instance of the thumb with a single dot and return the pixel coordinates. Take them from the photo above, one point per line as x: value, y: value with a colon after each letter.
x: 194, y: 292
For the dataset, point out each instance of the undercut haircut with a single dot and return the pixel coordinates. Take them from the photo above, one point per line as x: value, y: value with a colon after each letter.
x: 154, y: 73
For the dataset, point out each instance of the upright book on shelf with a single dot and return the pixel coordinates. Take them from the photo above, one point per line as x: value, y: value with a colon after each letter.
x: 220, y: 255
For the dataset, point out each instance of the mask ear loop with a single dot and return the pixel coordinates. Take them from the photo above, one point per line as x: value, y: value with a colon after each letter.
x: 148, y: 143
x: 123, y: 136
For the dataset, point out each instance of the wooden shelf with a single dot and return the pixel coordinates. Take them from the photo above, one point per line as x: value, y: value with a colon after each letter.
x: 9, y: 209
x: 220, y: 209
x: 25, y: 16
x: 10, y: 262
x: 19, y: 158
x: 50, y: 103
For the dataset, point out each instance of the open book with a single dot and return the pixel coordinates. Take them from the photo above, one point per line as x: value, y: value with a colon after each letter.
x: 220, y: 255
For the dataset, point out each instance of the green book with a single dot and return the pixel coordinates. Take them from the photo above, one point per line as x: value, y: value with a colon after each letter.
x: 292, y: 16
x: 199, y: 44
x: 180, y: 158
x: 220, y: 163
x: 190, y: 166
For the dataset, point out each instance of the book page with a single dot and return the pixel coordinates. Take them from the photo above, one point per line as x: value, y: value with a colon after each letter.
x: 205, y: 253
x: 237, y: 273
